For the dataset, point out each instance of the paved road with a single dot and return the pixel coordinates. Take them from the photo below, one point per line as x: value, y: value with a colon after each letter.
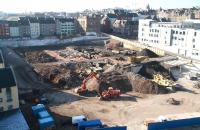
x: 25, y: 76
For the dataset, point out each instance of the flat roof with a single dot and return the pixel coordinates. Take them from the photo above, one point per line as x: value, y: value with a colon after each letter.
x: 7, y: 78
x: 13, y: 120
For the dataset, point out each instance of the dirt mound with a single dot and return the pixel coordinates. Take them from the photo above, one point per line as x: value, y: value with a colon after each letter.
x: 115, y: 80
x: 38, y: 57
x: 59, y: 75
x: 109, y: 79
x: 147, y: 52
x: 113, y: 44
x: 145, y: 86
x: 151, y: 68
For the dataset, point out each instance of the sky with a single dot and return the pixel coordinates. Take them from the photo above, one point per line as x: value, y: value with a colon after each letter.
x: 19, y: 6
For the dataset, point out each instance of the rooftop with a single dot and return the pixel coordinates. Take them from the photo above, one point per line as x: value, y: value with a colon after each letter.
x: 46, y: 20
x: 13, y: 120
x: 33, y: 20
x: 63, y: 20
x: 7, y: 78
x: 23, y: 21
x: 3, y: 22
x: 112, y: 15
x: 13, y: 23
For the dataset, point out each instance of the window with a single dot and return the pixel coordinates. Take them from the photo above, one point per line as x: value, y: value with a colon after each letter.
x: 180, y: 33
x: 193, y: 46
x: 183, y: 32
x: 0, y: 90
x: 176, y: 32
x: 9, y: 95
x: 193, y: 40
x: 1, y: 109
x: 1, y: 99
x: 172, y: 32
x: 195, y: 33
x: 10, y: 107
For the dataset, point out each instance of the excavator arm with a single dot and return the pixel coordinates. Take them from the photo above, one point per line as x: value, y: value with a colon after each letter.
x: 83, y: 88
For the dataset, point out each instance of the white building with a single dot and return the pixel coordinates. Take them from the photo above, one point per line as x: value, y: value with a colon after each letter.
x: 8, y: 90
x: 65, y: 27
x: 180, y: 38
x: 34, y: 27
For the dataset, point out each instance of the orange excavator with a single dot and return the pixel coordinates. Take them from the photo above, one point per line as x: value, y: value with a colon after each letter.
x: 110, y: 93
x: 83, y: 89
x: 105, y: 95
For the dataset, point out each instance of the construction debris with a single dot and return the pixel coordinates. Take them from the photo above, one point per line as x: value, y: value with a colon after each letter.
x: 38, y: 57
x: 59, y: 75
x: 112, y: 44
x: 173, y: 101
x: 147, y: 52
x: 110, y: 79
x: 150, y: 69
x: 76, y: 62
x: 114, y: 80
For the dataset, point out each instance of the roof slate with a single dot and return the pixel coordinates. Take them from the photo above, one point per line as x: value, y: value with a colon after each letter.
x: 7, y: 78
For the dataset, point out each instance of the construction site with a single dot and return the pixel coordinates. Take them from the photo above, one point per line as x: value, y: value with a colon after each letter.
x: 118, y: 85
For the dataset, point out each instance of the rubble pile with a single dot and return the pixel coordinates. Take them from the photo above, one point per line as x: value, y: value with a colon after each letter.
x: 113, y: 44
x: 145, y: 86
x: 110, y: 79
x: 115, y: 80
x: 38, y: 57
x: 151, y: 68
x: 70, y: 52
x: 147, y: 52
x: 59, y: 75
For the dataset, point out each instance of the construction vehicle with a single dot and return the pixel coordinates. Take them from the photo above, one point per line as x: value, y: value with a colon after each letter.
x: 110, y: 93
x: 83, y: 89
x: 137, y: 59
x: 161, y: 80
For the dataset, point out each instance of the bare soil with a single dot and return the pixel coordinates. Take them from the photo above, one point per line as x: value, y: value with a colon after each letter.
x: 131, y: 109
